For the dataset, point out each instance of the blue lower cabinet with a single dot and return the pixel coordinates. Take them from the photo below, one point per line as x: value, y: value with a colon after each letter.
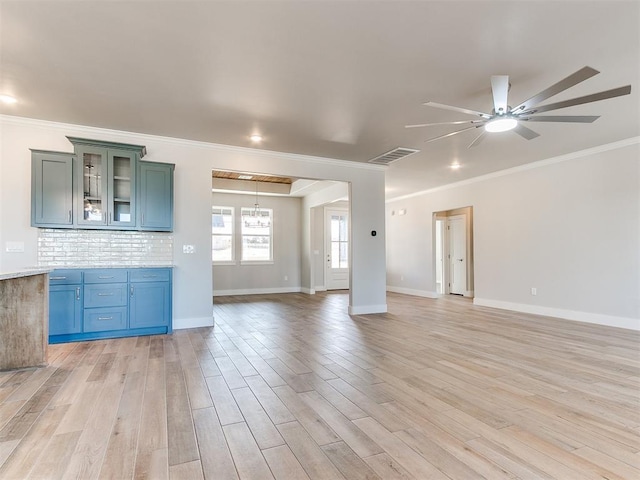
x: 65, y: 309
x: 109, y: 304
x: 102, y: 319
x: 107, y: 295
x: 149, y: 304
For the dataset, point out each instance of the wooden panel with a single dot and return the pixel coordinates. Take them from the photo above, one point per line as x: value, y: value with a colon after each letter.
x: 254, y: 178
x: 24, y: 320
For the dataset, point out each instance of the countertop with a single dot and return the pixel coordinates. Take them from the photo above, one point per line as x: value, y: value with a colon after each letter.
x: 86, y: 267
x: 26, y: 272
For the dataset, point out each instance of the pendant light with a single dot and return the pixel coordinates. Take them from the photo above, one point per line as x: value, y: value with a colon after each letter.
x: 256, y: 206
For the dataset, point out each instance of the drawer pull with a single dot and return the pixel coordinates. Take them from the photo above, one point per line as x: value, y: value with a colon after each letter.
x: 150, y: 276
x: 105, y: 318
x: 104, y: 277
x: 106, y: 294
x: 57, y: 278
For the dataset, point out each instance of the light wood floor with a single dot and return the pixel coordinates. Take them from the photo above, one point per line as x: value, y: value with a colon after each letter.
x: 291, y: 387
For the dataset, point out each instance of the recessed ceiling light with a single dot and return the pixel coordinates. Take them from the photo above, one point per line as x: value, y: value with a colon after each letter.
x: 8, y: 99
x: 245, y: 177
x: 455, y: 166
x: 255, y: 138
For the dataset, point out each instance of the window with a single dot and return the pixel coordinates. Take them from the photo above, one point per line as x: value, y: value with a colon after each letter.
x: 339, y: 241
x: 257, y: 244
x: 222, y: 234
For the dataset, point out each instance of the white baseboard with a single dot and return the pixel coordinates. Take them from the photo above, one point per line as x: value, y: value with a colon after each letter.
x: 193, y: 322
x: 468, y: 293
x: 308, y: 291
x: 597, y: 318
x: 415, y: 293
x: 320, y: 288
x: 256, y: 291
x: 367, y: 309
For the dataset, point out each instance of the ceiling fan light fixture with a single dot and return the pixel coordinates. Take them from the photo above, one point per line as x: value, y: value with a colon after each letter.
x: 501, y: 124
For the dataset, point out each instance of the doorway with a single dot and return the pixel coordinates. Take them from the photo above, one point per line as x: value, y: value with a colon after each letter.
x: 453, y: 252
x: 457, y: 257
x: 336, y: 249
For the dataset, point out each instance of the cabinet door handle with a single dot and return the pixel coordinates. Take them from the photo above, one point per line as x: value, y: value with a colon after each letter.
x: 105, y: 318
x: 131, y: 292
x: 69, y: 216
x: 143, y: 218
x: 104, y: 277
x: 77, y: 293
x: 106, y: 294
x: 57, y: 278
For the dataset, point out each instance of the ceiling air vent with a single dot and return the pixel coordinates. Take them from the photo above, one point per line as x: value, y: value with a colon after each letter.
x: 393, y: 155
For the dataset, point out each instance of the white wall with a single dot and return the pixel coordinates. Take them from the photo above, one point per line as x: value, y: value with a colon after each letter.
x: 194, y: 163
x: 569, y: 227
x: 264, y: 278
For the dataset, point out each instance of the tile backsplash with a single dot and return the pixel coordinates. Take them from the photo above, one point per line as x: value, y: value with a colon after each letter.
x: 103, y: 248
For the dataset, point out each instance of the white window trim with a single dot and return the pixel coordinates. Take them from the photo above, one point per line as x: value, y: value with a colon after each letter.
x: 233, y: 260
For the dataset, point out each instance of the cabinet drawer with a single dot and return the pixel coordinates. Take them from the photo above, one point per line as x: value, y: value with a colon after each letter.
x: 105, y: 275
x: 100, y: 319
x: 150, y: 275
x: 65, y: 277
x: 108, y: 295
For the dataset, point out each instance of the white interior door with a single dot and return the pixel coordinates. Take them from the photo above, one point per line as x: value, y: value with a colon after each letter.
x: 457, y: 232
x: 439, y: 261
x: 336, y: 249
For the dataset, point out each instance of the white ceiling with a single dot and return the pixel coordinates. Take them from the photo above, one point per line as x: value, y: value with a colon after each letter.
x: 336, y: 79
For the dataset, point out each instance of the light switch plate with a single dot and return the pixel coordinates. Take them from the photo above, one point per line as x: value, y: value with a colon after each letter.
x: 188, y: 249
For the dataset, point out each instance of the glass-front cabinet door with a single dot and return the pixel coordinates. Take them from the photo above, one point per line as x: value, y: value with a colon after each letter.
x: 121, y: 196
x: 92, y: 204
x: 107, y: 182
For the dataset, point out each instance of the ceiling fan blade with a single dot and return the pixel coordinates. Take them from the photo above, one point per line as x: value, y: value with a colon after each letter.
x: 594, y: 97
x: 500, y: 89
x: 573, y: 79
x: 457, y: 109
x: 460, y: 122
x: 450, y: 134
x: 562, y: 118
x: 525, y: 132
x: 478, y: 139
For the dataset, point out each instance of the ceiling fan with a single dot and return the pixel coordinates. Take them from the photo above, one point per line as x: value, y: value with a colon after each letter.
x: 504, y: 118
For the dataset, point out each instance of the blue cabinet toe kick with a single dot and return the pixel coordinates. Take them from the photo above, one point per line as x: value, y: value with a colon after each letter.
x: 129, y: 332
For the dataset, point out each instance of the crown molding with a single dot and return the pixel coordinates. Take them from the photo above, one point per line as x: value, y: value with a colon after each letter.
x: 218, y: 147
x: 527, y: 166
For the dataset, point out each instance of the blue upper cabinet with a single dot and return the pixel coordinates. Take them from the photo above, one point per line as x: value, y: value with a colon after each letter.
x: 103, y: 185
x: 106, y: 182
x: 51, y: 189
x: 155, y: 196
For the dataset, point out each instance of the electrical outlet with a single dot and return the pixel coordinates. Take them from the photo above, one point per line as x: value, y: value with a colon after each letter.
x: 286, y: 277
x: 188, y: 249
x: 534, y: 291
